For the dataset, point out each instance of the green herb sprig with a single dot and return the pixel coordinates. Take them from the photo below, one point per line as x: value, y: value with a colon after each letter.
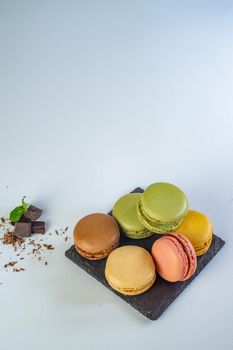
x: 16, y: 213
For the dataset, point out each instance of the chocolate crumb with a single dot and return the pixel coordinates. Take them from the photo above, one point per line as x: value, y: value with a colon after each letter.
x: 10, y: 263
x: 10, y: 238
x: 48, y: 246
x: 18, y: 269
x: 21, y: 245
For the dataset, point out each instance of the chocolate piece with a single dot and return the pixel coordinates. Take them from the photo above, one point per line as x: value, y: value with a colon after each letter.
x: 24, y: 219
x: 38, y: 227
x: 31, y: 214
x: 157, y: 299
x: 23, y: 229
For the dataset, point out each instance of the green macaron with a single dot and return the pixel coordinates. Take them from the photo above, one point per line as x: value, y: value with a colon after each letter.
x: 125, y: 212
x: 162, y: 207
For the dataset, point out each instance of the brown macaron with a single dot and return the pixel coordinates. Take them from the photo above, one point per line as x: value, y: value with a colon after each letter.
x: 96, y: 236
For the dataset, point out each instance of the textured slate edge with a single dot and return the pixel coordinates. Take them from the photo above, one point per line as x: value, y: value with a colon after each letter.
x: 96, y: 270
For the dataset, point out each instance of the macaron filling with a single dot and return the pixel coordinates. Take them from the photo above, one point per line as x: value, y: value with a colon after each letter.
x: 132, y: 291
x: 97, y: 255
x: 137, y: 234
x: 202, y: 249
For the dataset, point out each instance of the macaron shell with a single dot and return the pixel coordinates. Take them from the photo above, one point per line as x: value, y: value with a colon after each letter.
x: 130, y: 270
x: 164, y: 202
x: 192, y: 258
x: 170, y: 259
x: 96, y: 234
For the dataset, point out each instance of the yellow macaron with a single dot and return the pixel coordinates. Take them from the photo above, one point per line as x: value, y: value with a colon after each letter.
x: 198, y: 228
x: 130, y: 270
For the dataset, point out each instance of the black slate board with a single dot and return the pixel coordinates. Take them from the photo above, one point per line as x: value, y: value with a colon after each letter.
x: 156, y: 300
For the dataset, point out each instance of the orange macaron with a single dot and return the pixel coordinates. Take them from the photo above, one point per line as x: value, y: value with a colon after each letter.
x: 198, y: 228
x: 174, y: 256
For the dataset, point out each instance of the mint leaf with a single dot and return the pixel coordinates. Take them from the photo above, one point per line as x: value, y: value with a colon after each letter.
x: 16, y: 213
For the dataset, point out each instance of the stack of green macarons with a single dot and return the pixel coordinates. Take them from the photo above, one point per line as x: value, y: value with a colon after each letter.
x: 159, y: 209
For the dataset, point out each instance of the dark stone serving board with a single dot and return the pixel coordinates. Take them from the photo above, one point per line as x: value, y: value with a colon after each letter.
x: 156, y: 300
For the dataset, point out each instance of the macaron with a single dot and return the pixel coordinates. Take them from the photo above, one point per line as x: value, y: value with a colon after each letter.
x: 162, y: 207
x: 96, y: 235
x: 125, y: 212
x: 198, y: 229
x: 175, y: 258
x: 130, y: 270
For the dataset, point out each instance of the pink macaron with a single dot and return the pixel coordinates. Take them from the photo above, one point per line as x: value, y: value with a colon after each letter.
x: 174, y: 256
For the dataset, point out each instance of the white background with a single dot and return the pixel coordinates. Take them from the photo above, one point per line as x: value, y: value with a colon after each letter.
x: 96, y: 98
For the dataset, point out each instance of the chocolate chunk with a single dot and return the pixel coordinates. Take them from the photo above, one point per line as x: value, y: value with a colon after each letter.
x: 23, y: 229
x: 24, y: 219
x: 32, y: 213
x: 38, y: 227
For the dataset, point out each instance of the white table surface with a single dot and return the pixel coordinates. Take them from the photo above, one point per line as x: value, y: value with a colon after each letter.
x: 97, y: 98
